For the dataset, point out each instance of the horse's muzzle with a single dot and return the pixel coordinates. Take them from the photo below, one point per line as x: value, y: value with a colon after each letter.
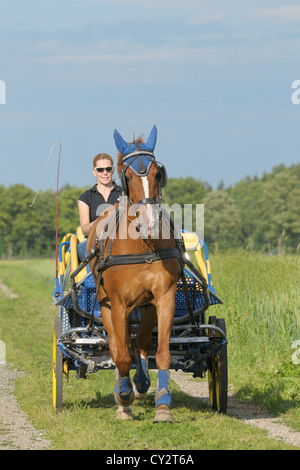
x: 147, y: 211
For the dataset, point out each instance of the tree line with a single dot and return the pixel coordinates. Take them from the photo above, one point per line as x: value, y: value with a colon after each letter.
x: 261, y: 214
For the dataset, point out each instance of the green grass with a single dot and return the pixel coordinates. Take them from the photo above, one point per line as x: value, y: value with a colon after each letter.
x: 260, y: 365
x: 262, y: 309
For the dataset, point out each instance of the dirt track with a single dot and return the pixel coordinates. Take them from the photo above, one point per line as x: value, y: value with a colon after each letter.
x: 17, y: 433
x: 254, y: 415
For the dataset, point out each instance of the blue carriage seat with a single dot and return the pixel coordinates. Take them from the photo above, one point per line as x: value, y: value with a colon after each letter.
x: 69, y: 261
x: 68, y: 256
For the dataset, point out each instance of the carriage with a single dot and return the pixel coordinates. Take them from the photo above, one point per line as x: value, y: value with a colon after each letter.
x: 201, y: 352
x: 197, y: 343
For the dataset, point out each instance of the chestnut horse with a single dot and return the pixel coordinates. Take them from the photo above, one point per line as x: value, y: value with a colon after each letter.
x: 146, y: 277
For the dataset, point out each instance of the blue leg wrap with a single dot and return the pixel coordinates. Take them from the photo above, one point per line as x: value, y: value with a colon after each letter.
x: 123, y: 391
x: 141, y: 377
x: 163, y: 394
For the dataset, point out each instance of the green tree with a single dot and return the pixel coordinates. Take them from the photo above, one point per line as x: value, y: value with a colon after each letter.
x: 256, y: 213
x: 16, y: 219
x: 221, y: 220
x: 280, y: 210
x: 185, y: 191
x: 68, y: 217
x: 248, y: 195
x: 43, y: 235
x: 185, y: 194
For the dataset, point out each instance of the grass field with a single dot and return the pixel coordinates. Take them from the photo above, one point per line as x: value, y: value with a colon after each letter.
x: 261, y: 307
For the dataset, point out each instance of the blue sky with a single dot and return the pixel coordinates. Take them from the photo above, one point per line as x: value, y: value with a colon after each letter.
x: 214, y: 76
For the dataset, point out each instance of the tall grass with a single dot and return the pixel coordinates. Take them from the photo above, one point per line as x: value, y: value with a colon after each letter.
x: 262, y: 310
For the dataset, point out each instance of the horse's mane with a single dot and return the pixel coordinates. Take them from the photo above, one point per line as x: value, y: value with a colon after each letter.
x: 139, y: 140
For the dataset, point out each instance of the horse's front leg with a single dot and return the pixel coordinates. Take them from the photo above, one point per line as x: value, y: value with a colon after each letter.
x: 124, y: 395
x: 123, y: 412
x: 163, y: 399
x: 141, y: 379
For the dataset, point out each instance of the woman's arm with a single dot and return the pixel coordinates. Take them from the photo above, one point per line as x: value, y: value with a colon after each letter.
x: 84, y: 218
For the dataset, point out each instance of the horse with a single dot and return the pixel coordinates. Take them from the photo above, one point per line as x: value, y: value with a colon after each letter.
x: 139, y: 268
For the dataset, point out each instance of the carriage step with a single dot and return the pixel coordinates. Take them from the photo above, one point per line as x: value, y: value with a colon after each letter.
x: 189, y: 340
x: 90, y: 341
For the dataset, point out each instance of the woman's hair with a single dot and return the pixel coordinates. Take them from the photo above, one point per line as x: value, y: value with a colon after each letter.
x: 102, y: 156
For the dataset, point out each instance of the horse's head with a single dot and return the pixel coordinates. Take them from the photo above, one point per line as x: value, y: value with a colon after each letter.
x: 142, y: 179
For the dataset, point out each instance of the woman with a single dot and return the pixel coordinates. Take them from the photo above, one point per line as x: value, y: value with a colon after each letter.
x: 95, y: 200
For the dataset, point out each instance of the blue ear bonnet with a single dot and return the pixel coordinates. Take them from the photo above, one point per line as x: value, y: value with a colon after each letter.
x: 139, y: 163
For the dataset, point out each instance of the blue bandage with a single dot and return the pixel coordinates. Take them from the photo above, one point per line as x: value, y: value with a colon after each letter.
x: 141, y: 377
x: 163, y: 394
x: 124, y: 389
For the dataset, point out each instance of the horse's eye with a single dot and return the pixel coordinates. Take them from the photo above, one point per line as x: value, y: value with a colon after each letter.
x: 158, y: 176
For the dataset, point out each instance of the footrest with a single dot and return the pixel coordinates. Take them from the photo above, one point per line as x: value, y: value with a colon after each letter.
x: 189, y: 340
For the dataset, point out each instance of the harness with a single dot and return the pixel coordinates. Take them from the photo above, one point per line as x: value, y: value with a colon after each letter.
x: 105, y: 262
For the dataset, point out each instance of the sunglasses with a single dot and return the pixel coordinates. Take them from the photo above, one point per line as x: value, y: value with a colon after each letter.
x: 109, y: 169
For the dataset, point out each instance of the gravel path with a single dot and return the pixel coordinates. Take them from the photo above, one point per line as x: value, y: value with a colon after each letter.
x: 254, y: 415
x: 6, y: 291
x: 16, y: 431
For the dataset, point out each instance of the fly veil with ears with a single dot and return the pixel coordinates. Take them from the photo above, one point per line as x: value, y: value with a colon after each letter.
x: 139, y: 158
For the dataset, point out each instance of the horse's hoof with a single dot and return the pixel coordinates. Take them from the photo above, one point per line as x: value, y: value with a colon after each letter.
x: 163, y: 415
x: 124, y: 402
x: 124, y: 413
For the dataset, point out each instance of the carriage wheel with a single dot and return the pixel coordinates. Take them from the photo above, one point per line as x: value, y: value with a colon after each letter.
x: 57, y: 370
x: 218, y: 374
x: 210, y: 373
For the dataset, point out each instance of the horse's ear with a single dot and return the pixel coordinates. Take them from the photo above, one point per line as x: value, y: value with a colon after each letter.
x: 121, y: 145
x: 151, y: 141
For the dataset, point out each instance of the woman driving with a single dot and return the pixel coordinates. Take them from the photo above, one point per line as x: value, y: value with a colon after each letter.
x: 95, y: 200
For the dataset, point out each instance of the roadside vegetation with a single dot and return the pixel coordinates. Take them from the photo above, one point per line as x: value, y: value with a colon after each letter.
x: 256, y: 214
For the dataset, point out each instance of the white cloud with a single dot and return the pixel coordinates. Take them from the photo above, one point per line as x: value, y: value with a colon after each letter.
x: 284, y: 14
x: 152, y: 3
x: 117, y: 51
x: 206, y: 19
x: 154, y: 50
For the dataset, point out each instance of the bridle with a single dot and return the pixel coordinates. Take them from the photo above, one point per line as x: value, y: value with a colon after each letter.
x: 142, y: 171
